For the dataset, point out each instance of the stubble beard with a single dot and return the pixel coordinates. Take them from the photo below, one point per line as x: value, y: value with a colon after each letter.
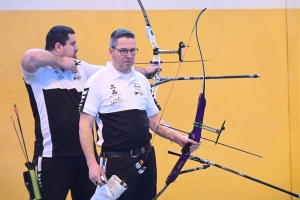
x: 74, y: 55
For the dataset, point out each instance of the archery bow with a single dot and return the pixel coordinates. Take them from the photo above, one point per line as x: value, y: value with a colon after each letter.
x: 196, y: 132
x: 198, y: 124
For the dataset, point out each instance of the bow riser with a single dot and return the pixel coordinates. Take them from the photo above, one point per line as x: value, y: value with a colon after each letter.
x: 196, y: 132
x: 195, y: 135
x: 177, y: 168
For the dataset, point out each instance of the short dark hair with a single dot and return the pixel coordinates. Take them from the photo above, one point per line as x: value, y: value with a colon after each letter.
x: 58, y: 34
x: 118, y: 34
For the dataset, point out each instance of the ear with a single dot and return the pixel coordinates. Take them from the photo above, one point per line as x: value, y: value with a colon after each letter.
x: 58, y: 47
x: 110, y: 51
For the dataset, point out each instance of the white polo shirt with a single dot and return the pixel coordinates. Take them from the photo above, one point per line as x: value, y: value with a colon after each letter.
x: 123, y: 105
x: 54, y: 97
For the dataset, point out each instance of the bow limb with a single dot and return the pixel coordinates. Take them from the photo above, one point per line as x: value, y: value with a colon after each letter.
x: 156, y: 54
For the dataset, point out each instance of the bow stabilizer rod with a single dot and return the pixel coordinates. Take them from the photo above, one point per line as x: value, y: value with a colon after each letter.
x: 205, y: 161
x: 194, y: 169
x: 160, y: 80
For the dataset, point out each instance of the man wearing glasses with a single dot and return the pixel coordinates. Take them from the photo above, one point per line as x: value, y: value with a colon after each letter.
x: 120, y: 101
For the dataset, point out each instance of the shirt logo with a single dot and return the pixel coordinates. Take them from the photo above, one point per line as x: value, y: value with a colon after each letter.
x: 114, y: 92
x: 116, y: 100
x: 137, y: 89
x: 58, y: 74
x: 76, y: 76
x: 137, y: 86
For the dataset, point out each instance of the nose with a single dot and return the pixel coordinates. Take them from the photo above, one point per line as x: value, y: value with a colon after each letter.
x: 76, y: 48
x: 129, y: 54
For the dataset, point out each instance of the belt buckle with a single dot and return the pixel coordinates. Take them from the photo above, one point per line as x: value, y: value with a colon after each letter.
x: 133, y: 155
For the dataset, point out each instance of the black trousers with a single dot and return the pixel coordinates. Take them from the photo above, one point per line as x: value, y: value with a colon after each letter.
x: 140, y: 187
x: 58, y: 175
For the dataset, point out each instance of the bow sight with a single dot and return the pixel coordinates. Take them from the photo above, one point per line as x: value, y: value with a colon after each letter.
x: 179, y: 51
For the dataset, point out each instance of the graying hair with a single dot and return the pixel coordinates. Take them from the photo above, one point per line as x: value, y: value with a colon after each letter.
x: 118, y: 34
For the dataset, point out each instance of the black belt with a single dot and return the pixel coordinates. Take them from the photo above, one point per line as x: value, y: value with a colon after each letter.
x: 133, y: 153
